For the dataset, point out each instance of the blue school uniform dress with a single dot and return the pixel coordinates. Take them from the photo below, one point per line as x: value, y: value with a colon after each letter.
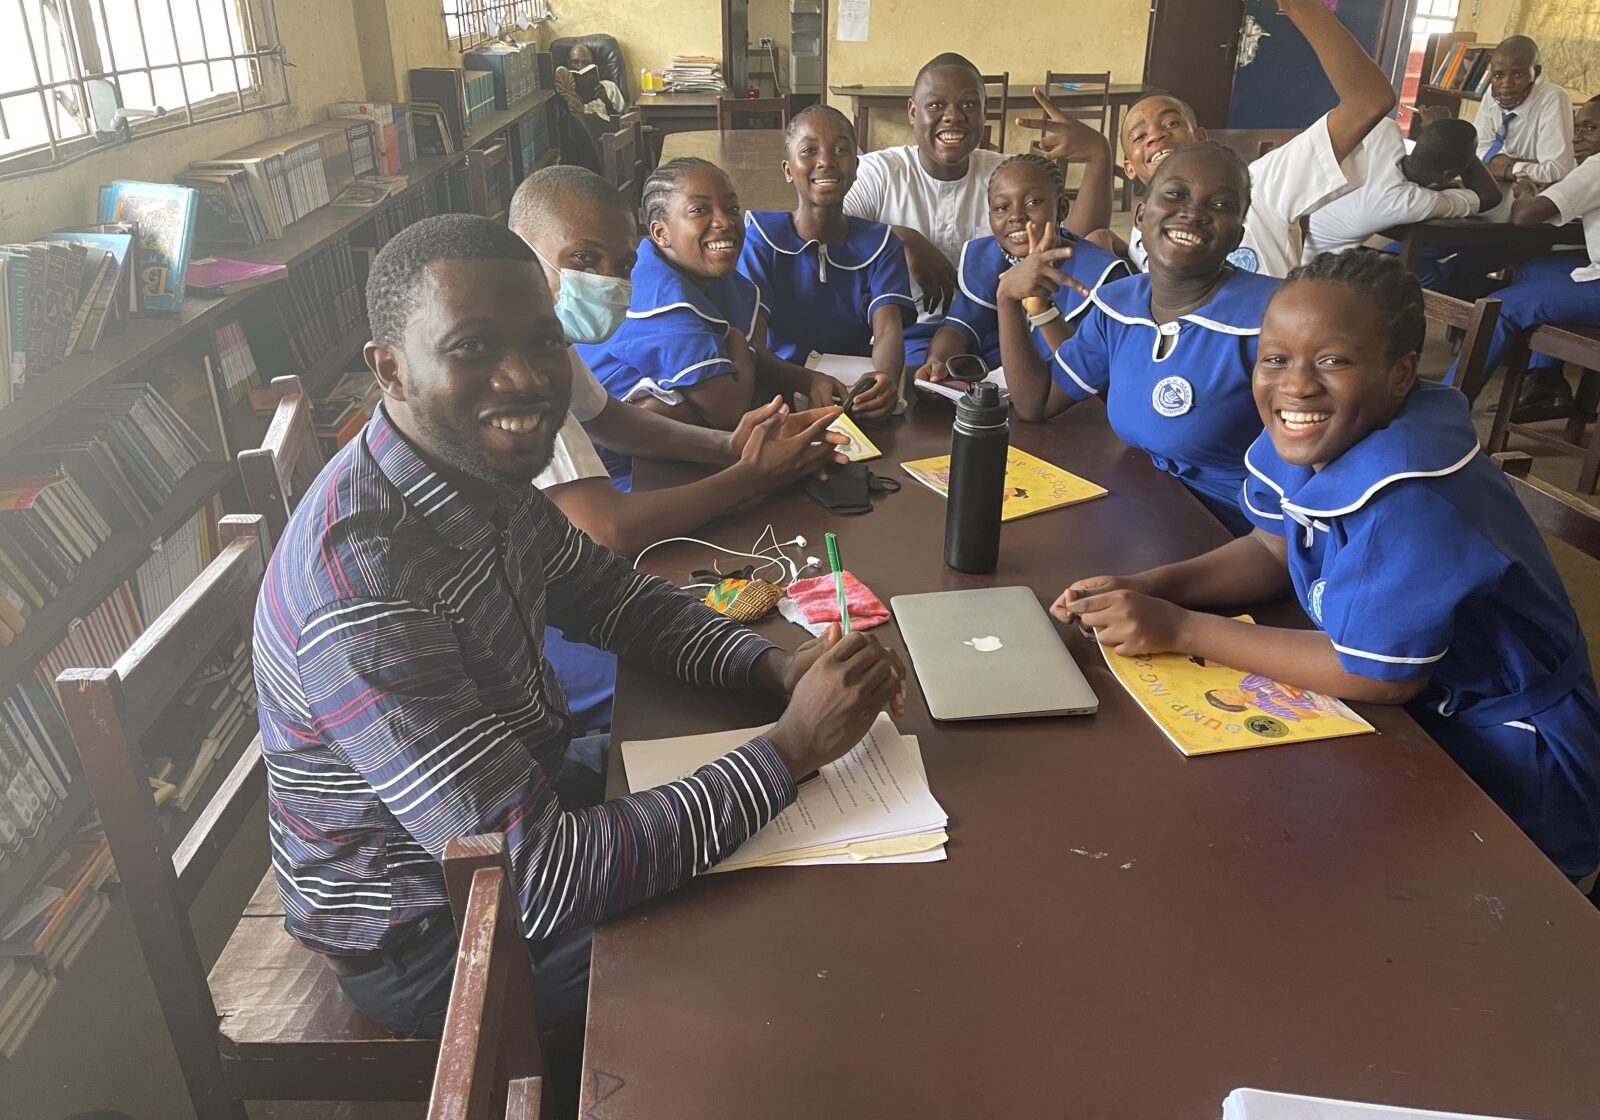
x: 1414, y: 556
x: 975, y: 310
x: 675, y: 336
x: 1188, y: 405
x: 822, y: 297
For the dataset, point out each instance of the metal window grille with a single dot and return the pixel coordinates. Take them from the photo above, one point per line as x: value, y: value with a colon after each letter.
x: 469, y: 23
x: 1433, y: 17
x: 79, y: 75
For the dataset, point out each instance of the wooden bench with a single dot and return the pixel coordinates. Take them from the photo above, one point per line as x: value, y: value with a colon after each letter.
x: 1574, y: 346
x: 489, y: 1060
x: 288, y: 460
x: 270, y: 1021
x: 1476, y: 321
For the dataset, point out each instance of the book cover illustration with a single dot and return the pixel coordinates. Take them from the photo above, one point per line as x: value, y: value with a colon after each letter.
x: 860, y: 448
x: 1032, y: 485
x: 1206, y: 708
x: 165, y: 215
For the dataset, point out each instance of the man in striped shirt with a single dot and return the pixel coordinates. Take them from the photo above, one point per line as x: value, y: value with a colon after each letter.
x: 404, y: 695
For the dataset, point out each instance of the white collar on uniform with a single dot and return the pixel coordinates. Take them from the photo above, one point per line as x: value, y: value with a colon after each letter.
x: 863, y: 241
x: 1235, y: 308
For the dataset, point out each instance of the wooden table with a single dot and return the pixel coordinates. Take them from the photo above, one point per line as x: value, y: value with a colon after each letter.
x: 1119, y: 931
x: 864, y: 99
x: 751, y: 157
x: 1475, y: 233
x: 678, y: 112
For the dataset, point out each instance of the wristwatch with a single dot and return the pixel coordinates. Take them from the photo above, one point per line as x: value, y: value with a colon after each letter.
x: 1048, y: 313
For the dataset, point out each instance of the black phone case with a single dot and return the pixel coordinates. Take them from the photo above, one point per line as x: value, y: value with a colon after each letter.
x: 844, y: 491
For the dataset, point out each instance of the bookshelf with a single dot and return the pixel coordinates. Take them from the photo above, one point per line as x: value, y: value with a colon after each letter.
x: 1440, y: 44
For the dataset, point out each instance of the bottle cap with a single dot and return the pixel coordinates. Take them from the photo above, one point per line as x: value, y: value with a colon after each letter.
x: 982, y: 407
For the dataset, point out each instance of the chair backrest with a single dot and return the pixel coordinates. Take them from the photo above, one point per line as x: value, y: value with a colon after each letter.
x: 732, y: 110
x: 1096, y: 112
x: 996, y: 91
x: 109, y: 710
x: 608, y: 60
x: 491, y: 1033
x: 619, y: 157
x: 1477, y: 320
x: 289, y: 458
x: 1564, y: 516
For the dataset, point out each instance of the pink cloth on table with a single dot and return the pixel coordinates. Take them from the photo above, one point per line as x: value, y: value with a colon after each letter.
x: 818, y: 601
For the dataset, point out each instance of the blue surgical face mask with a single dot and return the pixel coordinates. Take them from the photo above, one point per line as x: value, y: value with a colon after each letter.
x: 591, y: 307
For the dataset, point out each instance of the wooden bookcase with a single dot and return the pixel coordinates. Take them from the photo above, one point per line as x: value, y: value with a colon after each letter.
x: 1439, y: 45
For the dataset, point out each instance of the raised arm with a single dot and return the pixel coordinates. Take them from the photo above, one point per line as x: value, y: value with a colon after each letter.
x: 1365, y: 95
x: 1066, y: 138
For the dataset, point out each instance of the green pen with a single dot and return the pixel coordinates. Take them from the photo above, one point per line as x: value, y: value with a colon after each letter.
x: 838, y: 580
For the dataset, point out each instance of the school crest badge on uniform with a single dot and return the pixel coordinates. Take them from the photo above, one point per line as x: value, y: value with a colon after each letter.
x: 1315, y: 596
x: 1173, y: 396
x: 1245, y: 259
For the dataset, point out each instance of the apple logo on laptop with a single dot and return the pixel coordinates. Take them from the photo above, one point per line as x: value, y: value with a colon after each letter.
x: 983, y: 645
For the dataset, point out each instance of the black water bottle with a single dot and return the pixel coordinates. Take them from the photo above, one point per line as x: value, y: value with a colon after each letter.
x: 977, y: 480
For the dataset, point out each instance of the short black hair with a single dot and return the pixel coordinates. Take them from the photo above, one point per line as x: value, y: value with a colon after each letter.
x: 948, y: 58
x: 1444, y: 146
x: 1183, y: 106
x: 1049, y: 168
x: 816, y: 110
x: 1210, y: 149
x: 1519, y: 44
x: 392, y: 284
x: 666, y: 181
x: 552, y: 191
x: 1392, y: 291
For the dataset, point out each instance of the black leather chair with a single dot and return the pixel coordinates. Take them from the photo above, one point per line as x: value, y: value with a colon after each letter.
x: 607, y: 59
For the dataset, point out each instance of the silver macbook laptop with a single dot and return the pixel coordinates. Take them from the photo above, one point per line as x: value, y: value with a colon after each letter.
x: 990, y: 653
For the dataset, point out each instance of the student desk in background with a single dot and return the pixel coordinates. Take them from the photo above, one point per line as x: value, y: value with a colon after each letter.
x: 1019, y: 102
x: 752, y: 157
x: 1119, y: 931
x: 1456, y: 234
x: 677, y: 112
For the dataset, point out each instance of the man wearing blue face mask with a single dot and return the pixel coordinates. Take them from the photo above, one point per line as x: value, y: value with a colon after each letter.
x: 585, y: 237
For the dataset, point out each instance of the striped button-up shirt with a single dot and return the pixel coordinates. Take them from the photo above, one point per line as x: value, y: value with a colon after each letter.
x: 405, y: 700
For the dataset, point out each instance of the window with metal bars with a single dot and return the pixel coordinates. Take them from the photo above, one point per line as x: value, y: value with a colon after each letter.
x: 470, y: 23
x: 79, y: 75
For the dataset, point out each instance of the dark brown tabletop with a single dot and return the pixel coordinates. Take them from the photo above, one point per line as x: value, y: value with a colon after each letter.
x: 1120, y: 931
x: 1018, y: 98
x: 1474, y: 233
x: 751, y: 157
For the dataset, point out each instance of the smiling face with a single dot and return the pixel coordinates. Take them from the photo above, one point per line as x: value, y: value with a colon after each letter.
x: 1194, y: 214
x: 1512, y: 72
x: 1020, y: 194
x: 1324, y: 377
x: 1586, y: 130
x: 704, y: 228
x: 1153, y: 129
x: 481, y: 380
x: 820, y: 159
x: 946, y: 113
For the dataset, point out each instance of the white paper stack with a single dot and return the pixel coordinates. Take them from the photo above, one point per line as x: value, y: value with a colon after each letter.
x: 871, y: 805
x: 1258, y: 1104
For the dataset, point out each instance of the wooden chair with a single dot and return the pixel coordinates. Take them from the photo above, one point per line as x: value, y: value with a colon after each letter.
x: 270, y: 1022
x: 1096, y: 114
x: 1556, y: 512
x: 731, y: 110
x: 996, y: 92
x: 1574, y: 346
x: 489, y: 1057
x: 618, y: 162
x: 289, y: 458
x: 1476, y: 322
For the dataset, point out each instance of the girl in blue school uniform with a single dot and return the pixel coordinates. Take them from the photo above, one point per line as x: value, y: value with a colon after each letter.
x: 1406, y: 546
x: 1027, y: 203
x: 831, y: 283
x: 1170, y: 349
x: 693, y: 344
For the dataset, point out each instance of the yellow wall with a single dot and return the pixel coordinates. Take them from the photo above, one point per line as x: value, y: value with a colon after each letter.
x: 650, y: 32
x: 1567, y: 31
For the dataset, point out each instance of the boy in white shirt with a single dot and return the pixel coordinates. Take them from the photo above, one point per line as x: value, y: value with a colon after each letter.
x: 1525, y: 125
x: 1289, y: 182
x: 1563, y: 289
x: 1404, y: 186
x: 935, y: 193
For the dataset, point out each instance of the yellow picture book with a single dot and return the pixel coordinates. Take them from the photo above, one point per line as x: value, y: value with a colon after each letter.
x: 1032, y: 485
x: 860, y: 448
x: 1207, y: 708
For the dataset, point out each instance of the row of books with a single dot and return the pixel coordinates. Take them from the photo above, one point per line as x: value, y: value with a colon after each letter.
x: 36, y: 760
x: 108, y: 468
x: 1465, y: 67
x: 694, y: 73
x: 177, y: 560
x: 320, y: 303
x: 465, y: 97
x: 257, y: 191
x: 214, y: 713
x: 392, y: 124
x: 514, y: 68
x: 61, y: 294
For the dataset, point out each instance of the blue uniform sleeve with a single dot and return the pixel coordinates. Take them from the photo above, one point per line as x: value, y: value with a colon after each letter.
x: 1082, y: 366
x: 1388, y: 600
x: 889, y: 282
x: 980, y: 324
x: 755, y: 265
x: 665, y: 353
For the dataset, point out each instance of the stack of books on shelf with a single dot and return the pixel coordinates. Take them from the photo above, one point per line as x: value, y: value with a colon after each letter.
x: 320, y: 303
x: 513, y: 70
x: 177, y: 560
x: 345, y: 410
x: 1464, y: 68
x: 34, y: 774
x: 215, y: 714
x: 694, y: 73
x: 239, y: 372
x: 392, y: 125
x: 165, y: 216
x: 48, y: 530
x: 60, y: 296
